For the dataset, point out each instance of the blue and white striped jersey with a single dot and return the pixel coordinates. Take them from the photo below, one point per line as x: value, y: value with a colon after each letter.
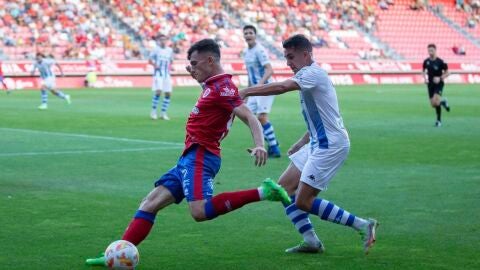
x: 255, y: 59
x: 161, y: 58
x: 320, y: 110
x: 45, y: 67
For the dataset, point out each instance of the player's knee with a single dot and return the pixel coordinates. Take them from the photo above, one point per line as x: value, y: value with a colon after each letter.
x: 198, y: 215
x: 197, y: 210
x: 263, y: 118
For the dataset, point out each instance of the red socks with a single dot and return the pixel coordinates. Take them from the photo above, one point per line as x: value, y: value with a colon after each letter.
x: 229, y: 201
x: 139, y: 228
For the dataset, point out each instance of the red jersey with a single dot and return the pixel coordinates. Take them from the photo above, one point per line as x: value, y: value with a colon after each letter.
x: 212, y: 115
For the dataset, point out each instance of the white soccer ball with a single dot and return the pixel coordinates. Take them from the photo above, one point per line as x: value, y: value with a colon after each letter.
x: 121, y: 255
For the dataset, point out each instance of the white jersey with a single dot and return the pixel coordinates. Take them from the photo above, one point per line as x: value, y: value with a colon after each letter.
x: 255, y: 59
x: 161, y: 58
x: 45, y: 68
x: 320, y: 108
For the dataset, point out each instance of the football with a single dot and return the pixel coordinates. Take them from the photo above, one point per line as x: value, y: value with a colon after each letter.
x: 121, y: 255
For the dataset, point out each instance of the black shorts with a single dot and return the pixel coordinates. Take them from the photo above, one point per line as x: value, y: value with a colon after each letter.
x: 435, y: 89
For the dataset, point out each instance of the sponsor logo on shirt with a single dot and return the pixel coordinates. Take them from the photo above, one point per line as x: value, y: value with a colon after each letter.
x: 227, y: 92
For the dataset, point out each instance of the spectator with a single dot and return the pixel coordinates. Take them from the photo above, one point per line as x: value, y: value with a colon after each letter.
x: 383, y: 5
x: 459, y: 50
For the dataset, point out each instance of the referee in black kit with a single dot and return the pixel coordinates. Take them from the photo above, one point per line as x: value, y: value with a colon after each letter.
x: 435, y: 70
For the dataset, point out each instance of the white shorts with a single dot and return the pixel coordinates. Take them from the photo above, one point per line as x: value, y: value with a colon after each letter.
x: 48, y: 82
x: 320, y: 166
x: 163, y: 84
x: 260, y: 104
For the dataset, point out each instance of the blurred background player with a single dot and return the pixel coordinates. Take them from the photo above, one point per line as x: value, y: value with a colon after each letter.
x: 2, y: 81
x: 192, y: 177
x: 44, y: 66
x: 435, y: 70
x: 319, y: 153
x: 161, y: 58
x: 259, y: 72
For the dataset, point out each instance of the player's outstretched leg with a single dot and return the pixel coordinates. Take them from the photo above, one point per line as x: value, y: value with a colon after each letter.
x: 229, y: 201
x: 44, y: 98
x: 328, y: 211
x: 143, y: 220
x: 62, y: 95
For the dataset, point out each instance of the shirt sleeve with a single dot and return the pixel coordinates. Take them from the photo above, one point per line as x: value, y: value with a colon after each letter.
x: 445, y: 66
x: 262, y: 56
x: 424, y: 65
x: 305, y: 79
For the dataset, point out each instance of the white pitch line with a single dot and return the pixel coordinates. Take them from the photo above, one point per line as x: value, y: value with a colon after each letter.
x: 19, y: 154
x: 86, y: 136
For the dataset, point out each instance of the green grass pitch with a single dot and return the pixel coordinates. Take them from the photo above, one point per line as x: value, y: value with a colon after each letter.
x: 71, y: 178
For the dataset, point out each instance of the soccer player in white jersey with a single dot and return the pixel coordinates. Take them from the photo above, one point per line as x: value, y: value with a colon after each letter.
x: 44, y: 66
x: 161, y: 58
x: 319, y: 153
x: 259, y: 72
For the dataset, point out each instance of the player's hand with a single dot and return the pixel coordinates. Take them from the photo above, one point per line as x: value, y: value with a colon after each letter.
x: 294, y: 148
x: 260, y: 155
x: 436, y: 79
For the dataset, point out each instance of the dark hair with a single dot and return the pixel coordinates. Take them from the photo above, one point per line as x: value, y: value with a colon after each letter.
x: 298, y: 42
x: 205, y: 45
x: 249, y: 26
x: 160, y: 36
x: 39, y: 54
x: 431, y: 45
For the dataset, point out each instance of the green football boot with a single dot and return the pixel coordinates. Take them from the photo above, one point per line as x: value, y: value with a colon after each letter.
x: 97, y: 261
x: 274, y: 192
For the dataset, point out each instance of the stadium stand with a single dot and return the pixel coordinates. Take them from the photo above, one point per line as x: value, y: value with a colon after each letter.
x: 341, y: 31
x: 70, y: 29
x: 408, y: 28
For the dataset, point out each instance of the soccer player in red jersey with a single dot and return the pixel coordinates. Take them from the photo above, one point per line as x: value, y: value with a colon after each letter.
x: 2, y: 79
x: 192, y: 177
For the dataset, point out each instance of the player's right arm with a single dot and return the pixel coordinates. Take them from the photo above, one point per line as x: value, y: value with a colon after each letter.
x: 425, y: 71
x: 299, y: 144
x: 270, y: 89
x: 244, y: 113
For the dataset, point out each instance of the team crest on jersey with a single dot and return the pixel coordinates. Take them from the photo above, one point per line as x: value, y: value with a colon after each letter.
x: 206, y: 92
x: 227, y: 92
x: 195, y: 110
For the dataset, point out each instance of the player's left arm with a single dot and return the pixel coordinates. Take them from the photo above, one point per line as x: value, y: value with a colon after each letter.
x: 275, y: 88
x: 252, y: 122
